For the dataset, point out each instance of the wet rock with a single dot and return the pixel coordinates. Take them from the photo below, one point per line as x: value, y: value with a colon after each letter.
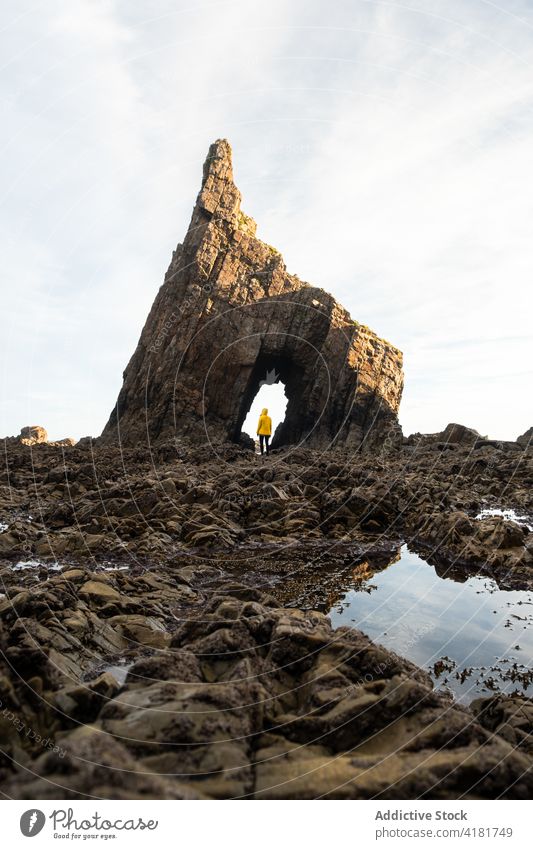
x: 254, y: 700
x: 511, y: 717
x: 496, y: 546
x: 142, y: 630
x: 177, y: 666
x: 99, y: 591
x: 83, y: 702
x: 87, y: 764
x: 375, y: 772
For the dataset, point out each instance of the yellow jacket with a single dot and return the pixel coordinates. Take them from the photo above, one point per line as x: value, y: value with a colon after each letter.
x: 264, y: 426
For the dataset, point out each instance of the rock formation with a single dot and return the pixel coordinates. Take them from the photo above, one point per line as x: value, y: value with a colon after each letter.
x: 229, y: 316
x: 37, y: 435
x: 526, y: 438
x: 33, y: 435
x: 453, y: 434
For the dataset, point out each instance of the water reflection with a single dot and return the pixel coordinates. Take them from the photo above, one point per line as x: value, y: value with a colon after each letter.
x: 472, y: 637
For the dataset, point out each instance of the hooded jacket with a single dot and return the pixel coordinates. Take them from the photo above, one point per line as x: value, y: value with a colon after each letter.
x: 264, y: 426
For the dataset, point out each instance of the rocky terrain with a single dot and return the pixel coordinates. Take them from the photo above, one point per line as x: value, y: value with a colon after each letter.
x: 93, y: 500
x: 161, y: 617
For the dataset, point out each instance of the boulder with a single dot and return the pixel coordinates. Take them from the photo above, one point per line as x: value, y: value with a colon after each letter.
x: 526, y: 439
x: 33, y: 435
x: 509, y: 716
x: 453, y: 434
x: 99, y: 591
x: 459, y: 434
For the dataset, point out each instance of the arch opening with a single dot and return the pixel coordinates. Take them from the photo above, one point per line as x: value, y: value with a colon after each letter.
x: 274, y: 398
x: 270, y: 370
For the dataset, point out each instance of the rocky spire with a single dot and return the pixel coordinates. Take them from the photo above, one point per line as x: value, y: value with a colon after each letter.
x: 227, y: 314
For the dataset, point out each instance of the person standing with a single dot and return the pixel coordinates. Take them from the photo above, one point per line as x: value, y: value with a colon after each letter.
x: 264, y: 430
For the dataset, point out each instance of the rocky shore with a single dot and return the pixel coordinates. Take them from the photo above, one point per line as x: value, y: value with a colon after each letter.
x: 98, y: 501
x: 160, y: 618
x: 162, y: 627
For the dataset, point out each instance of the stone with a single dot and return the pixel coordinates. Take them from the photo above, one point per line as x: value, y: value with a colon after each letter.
x: 142, y: 630
x: 33, y: 435
x: 452, y: 435
x: 99, y: 591
x: 459, y: 434
x: 74, y: 575
x: 511, y: 717
x: 83, y: 702
x: 90, y: 759
x: 228, y: 318
x: 526, y: 439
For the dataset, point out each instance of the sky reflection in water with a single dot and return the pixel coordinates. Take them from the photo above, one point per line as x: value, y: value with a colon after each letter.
x: 424, y: 618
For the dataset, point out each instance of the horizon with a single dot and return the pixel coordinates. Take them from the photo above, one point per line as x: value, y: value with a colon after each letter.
x: 384, y: 152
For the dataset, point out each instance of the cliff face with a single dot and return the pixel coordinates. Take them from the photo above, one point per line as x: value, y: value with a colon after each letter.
x: 229, y: 316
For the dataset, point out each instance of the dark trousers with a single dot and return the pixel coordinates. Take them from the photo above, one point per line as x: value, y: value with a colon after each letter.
x: 263, y: 442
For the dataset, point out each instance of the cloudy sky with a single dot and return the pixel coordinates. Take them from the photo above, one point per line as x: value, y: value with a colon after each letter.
x: 385, y: 148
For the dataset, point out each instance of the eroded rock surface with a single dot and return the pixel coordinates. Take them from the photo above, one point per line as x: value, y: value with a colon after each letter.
x: 100, y: 502
x: 245, y: 700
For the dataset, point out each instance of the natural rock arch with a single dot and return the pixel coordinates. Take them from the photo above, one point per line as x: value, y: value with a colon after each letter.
x: 227, y: 313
